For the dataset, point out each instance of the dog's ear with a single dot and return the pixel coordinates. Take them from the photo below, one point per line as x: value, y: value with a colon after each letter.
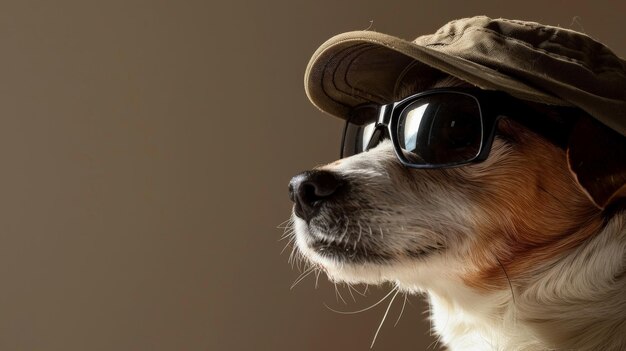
x: 597, y: 156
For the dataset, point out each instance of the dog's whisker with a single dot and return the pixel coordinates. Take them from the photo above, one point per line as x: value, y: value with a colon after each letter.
x: 402, y: 310
x: 358, y: 292
x: 302, y: 276
x: 433, y: 345
x: 338, y: 294
x: 288, y: 238
x: 288, y: 231
x: 285, y: 224
x: 365, y: 309
x: 292, y: 256
x: 287, y: 245
x: 351, y: 294
x: 285, y: 248
x: 384, y: 317
x: 292, y: 234
x: 299, y: 260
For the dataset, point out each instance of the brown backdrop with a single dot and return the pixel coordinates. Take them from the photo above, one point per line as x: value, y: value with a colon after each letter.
x: 146, y: 148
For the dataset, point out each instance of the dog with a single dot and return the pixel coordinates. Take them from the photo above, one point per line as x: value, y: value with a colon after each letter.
x: 510, y: 252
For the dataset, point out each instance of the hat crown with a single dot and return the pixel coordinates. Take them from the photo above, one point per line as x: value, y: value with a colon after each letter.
x: 481, y: 36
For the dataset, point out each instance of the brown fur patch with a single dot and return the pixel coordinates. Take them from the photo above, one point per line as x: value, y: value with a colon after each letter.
x: 533, y: 211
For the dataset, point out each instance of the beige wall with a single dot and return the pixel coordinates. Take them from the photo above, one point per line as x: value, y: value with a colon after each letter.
x: 146, y: 148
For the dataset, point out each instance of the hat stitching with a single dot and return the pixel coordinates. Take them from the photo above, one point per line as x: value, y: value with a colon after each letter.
x: 320, y: 53
x: 396, y: 85
x: 332, y: 80
x: 365, y: 94
x: 537, y: 26
x: 351, y: 48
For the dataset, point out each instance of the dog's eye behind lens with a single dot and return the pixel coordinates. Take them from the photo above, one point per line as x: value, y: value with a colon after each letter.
x: 441, y: 129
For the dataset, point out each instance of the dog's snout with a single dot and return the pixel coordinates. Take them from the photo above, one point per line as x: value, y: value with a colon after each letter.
x: 308, y: 190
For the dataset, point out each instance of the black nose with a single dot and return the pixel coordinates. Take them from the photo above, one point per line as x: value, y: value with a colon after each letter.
x: 308, y: 190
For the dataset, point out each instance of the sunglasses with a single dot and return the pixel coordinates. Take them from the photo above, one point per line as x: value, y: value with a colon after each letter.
x: 437, y: 128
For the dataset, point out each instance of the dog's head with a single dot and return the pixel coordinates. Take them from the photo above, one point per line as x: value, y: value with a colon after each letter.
x: 507, y: 209
x: 369, y: 219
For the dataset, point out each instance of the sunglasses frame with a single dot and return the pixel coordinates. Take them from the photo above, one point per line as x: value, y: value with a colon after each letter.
x: 492, y: 106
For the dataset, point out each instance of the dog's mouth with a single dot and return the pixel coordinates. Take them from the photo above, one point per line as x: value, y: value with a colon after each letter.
x: 342, y: 244
x: 353, y: 252
x: 355, y: 242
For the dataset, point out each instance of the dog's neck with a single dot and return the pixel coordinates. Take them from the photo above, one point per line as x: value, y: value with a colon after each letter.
x: 546, y: 311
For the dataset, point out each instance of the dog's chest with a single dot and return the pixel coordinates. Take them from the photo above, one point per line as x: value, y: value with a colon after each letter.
x: 477, y: 325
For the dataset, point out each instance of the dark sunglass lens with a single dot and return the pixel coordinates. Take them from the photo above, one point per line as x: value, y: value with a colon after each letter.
x: 359, y: 130
x: 441, y: 128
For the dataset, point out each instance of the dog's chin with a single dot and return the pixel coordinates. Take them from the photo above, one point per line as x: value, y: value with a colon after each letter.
x: 341, y: 262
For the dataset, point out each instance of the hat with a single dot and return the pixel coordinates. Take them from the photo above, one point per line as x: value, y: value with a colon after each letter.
x: 528, y: 60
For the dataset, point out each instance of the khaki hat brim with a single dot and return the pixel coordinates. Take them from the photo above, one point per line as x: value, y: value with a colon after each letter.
x: 362, y: 67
